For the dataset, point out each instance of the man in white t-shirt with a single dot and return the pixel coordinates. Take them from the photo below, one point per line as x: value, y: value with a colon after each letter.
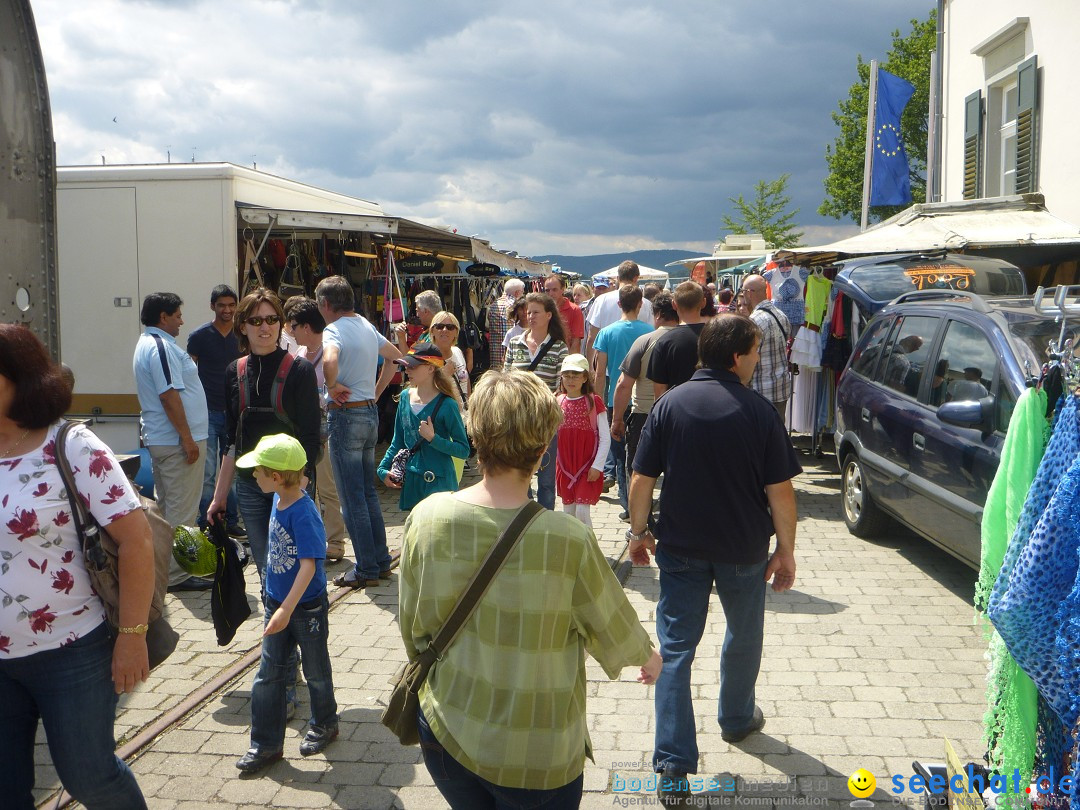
x: 351, y: 351
x: 604, y: 309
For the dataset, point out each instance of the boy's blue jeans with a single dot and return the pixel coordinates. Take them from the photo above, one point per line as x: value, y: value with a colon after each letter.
x: 308, y: 627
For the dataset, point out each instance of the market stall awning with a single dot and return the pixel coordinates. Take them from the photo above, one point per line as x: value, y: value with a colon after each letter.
x: 725, y: 258
x: 995, y: 225
x: 647, y: 274
x: 406, y: 233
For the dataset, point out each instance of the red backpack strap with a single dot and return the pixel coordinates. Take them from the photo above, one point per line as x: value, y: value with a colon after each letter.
x: 241, y: 381
x: 277, y: 390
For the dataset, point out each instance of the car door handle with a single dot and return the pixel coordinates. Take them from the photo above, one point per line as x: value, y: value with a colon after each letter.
x: 919, y: 442
x: 865, y: 413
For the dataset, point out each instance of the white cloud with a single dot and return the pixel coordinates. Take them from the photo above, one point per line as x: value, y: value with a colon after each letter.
x: 601, y: 124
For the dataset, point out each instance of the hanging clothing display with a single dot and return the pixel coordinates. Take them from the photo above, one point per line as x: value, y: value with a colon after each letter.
x: 787, y: 292
x: 1012, y: 715
x: 1034, y: 603
x: 817, y: 297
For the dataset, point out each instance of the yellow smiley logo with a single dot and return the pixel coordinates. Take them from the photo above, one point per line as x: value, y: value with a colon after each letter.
x: 861, y: 783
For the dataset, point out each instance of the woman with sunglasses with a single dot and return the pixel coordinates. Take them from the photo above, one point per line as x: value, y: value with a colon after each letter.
x: 444, y: 331
x: 258, y: 322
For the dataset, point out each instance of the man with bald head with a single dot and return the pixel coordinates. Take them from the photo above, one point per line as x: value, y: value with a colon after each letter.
x: 772, y: 379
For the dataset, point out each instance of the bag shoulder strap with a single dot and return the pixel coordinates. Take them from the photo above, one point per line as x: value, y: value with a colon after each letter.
x: 540, y: 354
x: 241, y: 381
x: 438, y: 404
x: 277, y: 389
x: 772, y: 314
x: 483, y: 577
x: 78, y: 509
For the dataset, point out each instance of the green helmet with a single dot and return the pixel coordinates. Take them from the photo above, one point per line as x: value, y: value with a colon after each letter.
x: 194, y: 552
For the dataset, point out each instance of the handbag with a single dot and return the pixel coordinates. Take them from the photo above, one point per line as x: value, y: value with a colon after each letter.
x: 401, y: 458
x: 400, y: 713
x: 102, y: 562
x: 292, y: 283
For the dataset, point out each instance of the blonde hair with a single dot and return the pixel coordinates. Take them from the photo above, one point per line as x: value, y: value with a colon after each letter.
x: 443, y: 315
x: 289, y: 478
x: 583, y: 288
x: 512, y: 418
x: 444, y: 384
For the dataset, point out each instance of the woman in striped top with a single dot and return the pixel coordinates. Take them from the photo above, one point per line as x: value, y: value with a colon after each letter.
x: 541, y: 350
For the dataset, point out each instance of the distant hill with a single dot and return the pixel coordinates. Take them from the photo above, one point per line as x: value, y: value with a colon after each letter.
x: 588, y: 265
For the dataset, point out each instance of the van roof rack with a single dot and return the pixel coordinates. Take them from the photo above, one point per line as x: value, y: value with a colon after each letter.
x: 948, y: 296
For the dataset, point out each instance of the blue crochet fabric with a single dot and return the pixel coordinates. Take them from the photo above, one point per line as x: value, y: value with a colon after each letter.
x: 1030, y: 604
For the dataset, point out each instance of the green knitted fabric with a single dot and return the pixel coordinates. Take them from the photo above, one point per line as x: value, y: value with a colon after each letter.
x: 1012, y: 711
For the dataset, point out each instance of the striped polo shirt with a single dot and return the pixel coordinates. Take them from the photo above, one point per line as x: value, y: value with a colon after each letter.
x: 518, y: 356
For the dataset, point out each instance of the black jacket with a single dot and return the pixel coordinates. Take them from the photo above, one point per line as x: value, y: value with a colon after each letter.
x: 300, y: 399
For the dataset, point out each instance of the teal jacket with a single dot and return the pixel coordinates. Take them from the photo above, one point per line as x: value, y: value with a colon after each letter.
x: 434, y: 458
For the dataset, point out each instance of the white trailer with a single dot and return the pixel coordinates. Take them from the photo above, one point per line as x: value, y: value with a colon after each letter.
x: 126, y: 231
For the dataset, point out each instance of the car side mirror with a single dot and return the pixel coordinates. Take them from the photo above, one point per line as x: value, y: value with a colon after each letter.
x: 972, y: 413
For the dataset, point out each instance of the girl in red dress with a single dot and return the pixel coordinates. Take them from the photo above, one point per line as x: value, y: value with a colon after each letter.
x: 583, y: 440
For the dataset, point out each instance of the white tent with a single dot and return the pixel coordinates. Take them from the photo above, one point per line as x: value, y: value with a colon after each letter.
x: 647, y: 274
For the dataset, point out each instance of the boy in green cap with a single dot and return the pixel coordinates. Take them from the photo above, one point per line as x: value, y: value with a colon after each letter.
x: 296, y: 607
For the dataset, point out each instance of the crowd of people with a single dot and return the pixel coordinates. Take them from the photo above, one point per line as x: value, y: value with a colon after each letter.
x: 589, y: 390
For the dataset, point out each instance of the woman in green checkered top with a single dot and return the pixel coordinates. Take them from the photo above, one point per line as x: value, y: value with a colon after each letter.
x: 503, y: 710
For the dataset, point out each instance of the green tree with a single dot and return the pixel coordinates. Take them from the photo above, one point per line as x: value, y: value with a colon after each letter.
x: 908, y: 58
x: 767, y: 213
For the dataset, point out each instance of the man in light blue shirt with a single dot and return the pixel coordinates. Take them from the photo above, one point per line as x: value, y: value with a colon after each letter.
x: 351, y: 351
x: 175, y: 421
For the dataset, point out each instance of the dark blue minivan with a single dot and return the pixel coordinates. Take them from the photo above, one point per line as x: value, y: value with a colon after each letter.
x: 923, y: 406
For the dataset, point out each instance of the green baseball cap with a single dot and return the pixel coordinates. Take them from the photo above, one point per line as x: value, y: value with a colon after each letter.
x: 278, y: 452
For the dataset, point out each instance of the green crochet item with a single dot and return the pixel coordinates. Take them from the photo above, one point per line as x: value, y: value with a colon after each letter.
x: 1012, y: 700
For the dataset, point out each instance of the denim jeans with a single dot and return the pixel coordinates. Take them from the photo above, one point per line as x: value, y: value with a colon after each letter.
x: 617, y: 453
x: 353, y: 432
x: 70, y: 690
x: 685, y: 584
x: 464, y: 790
x: 308, y: 627
x: 255, y: 506
x: 215, y: 445
x: 545, y: 476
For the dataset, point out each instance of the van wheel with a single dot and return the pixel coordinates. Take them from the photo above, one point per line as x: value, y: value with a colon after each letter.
x: 863, y: 517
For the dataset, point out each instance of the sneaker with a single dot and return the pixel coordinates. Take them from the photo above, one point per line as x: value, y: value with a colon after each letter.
x: 673, y: 788
x: 255, y: 760
x: 624, y: 515
x: 756, y: 724
x: 608, y: 483
x: 236, y: 530
x: 316, y: 740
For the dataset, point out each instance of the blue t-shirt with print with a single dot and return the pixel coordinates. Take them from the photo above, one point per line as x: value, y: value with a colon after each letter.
x: 296, y: 533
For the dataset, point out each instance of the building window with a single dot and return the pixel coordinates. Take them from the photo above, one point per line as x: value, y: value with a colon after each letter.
x: 1001, y: 138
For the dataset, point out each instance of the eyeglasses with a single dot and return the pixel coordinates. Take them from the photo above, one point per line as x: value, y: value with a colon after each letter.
x: 256, y: 320
x: 447, y: 326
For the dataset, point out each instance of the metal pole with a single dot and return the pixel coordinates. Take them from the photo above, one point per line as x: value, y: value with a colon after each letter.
x: 932, y: 161
x: 868, y: 161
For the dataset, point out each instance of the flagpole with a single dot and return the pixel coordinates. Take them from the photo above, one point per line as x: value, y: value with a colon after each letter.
x: 868, y: 159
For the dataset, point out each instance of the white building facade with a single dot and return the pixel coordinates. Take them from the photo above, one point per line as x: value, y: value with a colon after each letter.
x: 1011, y: 85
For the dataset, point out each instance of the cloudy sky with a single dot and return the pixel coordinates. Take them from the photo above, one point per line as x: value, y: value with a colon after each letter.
x: 558, y: 126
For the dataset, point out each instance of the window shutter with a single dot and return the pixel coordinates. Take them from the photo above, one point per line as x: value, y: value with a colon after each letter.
x: 1027, y: 145
x: 972, y: 144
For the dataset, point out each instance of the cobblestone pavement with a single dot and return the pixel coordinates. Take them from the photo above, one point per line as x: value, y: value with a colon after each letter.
x: 869, y: 662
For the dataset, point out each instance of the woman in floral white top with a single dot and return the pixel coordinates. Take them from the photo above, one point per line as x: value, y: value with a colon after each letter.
x: 58, y: 659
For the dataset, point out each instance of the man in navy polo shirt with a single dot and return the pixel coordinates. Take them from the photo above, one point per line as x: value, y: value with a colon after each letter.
x: 213, y: 346
x: 715, y: 441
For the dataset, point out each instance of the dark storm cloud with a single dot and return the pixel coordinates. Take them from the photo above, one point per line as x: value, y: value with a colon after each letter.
x: 561, y: 117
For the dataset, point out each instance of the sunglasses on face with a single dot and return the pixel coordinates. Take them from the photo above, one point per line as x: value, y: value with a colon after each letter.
x: 257, y: 320
x: 443, y: 326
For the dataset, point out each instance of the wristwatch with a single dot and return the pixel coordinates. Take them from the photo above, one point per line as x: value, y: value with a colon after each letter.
x: 631, y: 536
x: 138, y: 630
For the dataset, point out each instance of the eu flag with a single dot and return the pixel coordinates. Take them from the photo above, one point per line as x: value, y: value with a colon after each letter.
x: 889, y: 180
